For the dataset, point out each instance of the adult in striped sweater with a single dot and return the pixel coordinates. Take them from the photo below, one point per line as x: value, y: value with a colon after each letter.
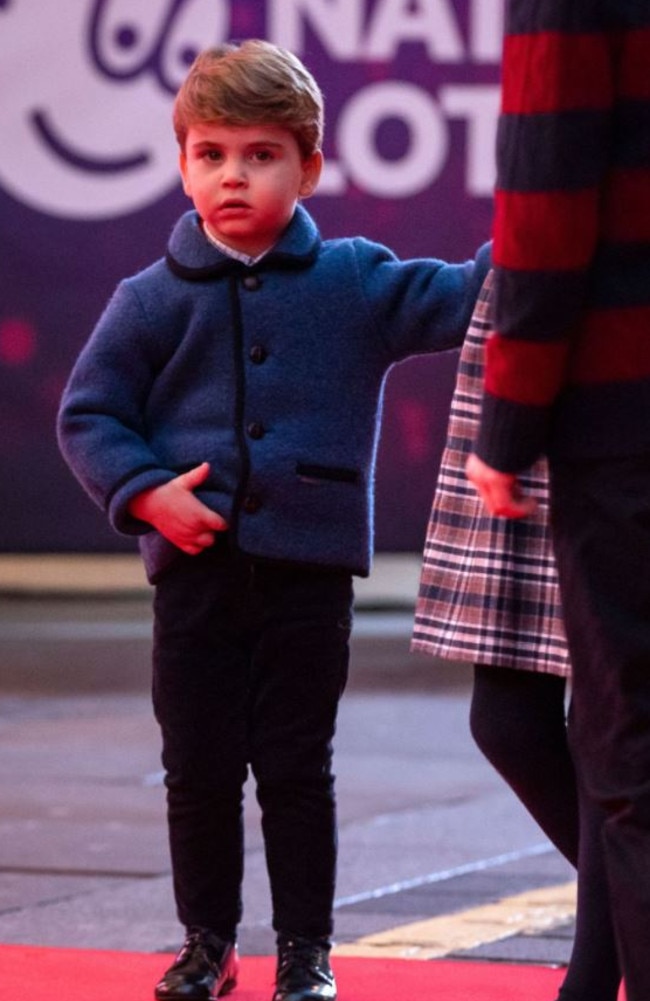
x: 568, y: 375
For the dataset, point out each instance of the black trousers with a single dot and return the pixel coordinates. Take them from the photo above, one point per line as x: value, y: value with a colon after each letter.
x: 250, y: 661
x: 601, y: 528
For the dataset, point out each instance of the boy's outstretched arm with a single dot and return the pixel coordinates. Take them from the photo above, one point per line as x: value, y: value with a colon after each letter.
x: 174, y: 510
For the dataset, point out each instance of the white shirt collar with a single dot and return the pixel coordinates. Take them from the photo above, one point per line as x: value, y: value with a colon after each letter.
x: 237, y: 255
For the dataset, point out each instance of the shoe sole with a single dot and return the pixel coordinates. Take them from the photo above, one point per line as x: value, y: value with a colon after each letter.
x: 226, y: 987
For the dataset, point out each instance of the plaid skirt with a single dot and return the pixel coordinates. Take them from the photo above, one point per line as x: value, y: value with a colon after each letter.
x: 488, y: 590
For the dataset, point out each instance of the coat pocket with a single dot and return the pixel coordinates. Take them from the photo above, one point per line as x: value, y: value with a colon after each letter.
x: 310, y: 473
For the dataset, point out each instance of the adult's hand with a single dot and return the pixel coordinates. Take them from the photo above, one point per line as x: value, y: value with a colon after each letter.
x: 500, y: 492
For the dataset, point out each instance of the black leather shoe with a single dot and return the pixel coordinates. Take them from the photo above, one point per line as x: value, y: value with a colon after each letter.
x: 205, y: 968
x: 304, y: 971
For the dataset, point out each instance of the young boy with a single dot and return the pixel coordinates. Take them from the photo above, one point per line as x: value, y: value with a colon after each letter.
x: 226, y: 410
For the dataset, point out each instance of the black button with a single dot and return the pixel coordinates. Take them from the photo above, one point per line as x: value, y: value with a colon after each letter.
x: 251, y: 503
x: 257, y: 354
x: 251, y: 282
x: 255, y: 430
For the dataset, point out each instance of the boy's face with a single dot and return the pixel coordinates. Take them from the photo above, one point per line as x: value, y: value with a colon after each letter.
x: 245, y: 181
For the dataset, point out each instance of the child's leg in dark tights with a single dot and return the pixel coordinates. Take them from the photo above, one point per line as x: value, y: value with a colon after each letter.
x: 517, y: 719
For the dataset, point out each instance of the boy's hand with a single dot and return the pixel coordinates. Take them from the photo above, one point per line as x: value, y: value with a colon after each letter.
x: 500, y: 492
x: 178, y: 514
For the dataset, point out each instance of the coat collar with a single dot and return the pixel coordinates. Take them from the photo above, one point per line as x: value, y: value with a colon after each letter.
x: 191, y: 256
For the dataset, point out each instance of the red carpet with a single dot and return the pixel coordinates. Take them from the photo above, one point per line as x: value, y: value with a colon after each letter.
x: 88, y: 975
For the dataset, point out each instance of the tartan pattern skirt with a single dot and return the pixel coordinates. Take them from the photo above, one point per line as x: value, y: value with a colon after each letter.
x: 488, y: 589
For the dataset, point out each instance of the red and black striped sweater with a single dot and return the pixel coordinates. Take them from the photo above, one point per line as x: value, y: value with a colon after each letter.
x: 568, y: 369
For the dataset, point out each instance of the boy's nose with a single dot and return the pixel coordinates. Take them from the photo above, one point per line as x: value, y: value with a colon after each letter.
x: 234, y: 174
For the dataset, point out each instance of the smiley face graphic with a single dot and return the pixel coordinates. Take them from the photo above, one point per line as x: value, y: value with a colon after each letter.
x: 88, y: 87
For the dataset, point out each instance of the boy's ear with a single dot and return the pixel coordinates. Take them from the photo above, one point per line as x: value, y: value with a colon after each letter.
x: 182, y: 166
x: 311, y: 171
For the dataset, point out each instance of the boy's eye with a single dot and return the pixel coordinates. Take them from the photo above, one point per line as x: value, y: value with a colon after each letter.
x: 212, y: 155
x: 262, y: 155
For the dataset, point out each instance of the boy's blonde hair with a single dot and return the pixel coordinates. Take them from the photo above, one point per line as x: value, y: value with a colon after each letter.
x: 253, y: 83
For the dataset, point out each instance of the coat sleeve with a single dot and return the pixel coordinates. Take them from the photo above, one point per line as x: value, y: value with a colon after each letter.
x: 420, y: 306
x: 100, y: 425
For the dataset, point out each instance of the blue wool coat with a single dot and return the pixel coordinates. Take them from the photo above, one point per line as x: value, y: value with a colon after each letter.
x: 273, y: 374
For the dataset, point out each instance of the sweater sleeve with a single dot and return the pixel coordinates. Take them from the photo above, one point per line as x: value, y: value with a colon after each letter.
x: 551, y: 158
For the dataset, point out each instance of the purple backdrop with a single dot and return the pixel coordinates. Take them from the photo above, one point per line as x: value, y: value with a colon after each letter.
x: 88, y: 194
